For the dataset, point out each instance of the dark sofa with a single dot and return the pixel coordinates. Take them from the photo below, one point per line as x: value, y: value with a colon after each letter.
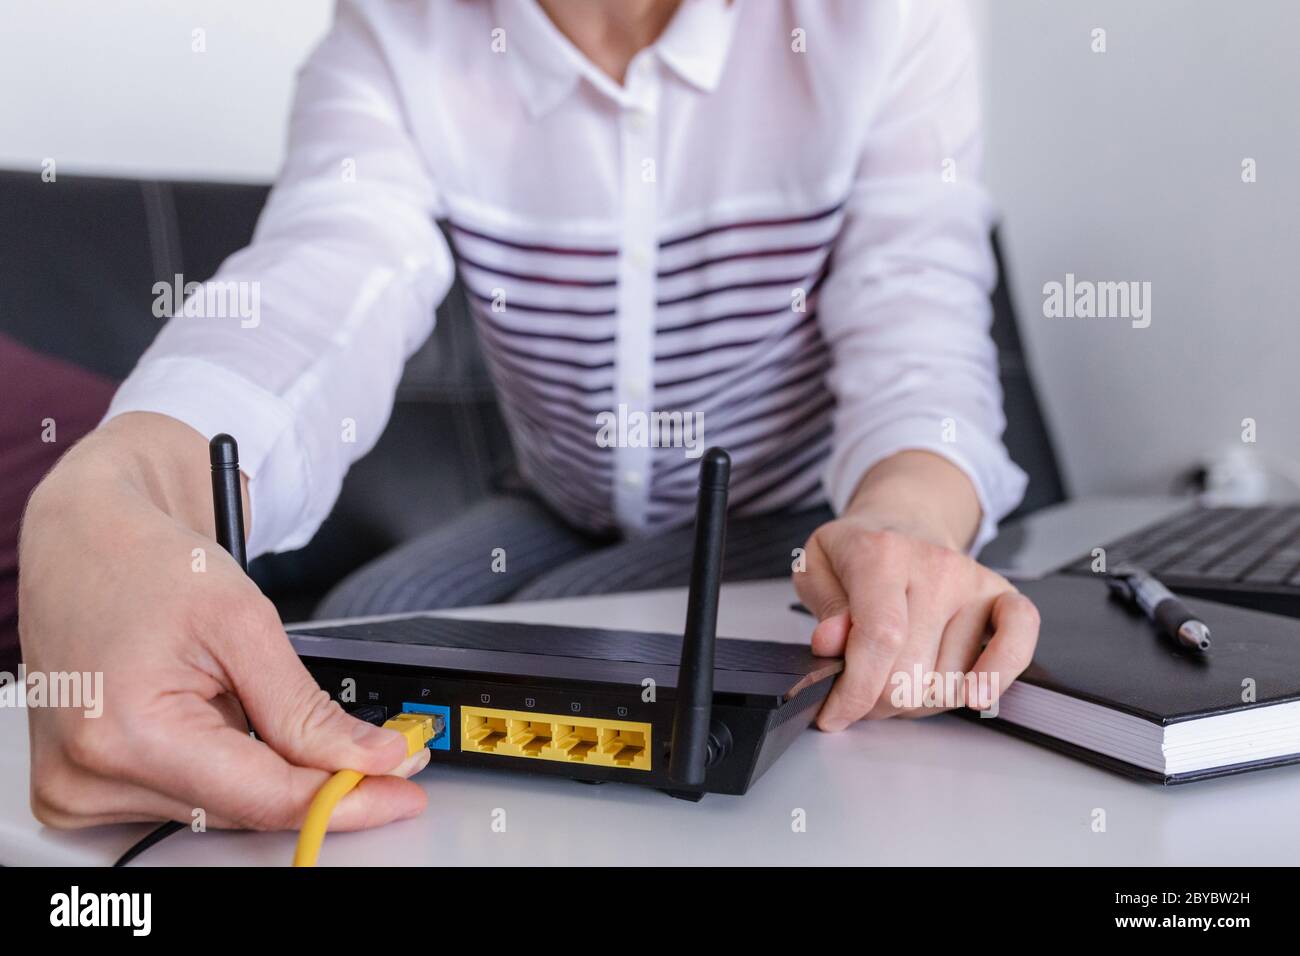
x: 78, y: 261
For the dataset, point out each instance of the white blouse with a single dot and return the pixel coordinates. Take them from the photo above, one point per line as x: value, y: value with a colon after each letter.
x: 771, y: 237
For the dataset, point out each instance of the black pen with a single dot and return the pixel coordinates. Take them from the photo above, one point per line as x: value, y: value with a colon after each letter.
x: 1166, y: 611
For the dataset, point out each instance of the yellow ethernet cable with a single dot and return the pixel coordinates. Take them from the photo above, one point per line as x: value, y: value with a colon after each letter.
x: 418, y: 729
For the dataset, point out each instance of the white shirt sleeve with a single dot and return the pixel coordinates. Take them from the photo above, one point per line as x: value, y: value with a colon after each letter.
x: 337, y: 289
x: 905, y: 308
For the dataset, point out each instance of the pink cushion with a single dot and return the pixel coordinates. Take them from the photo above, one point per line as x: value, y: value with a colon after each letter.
x: 37, y: 388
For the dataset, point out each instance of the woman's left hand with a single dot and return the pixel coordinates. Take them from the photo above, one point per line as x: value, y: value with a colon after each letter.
x: 922, y: 627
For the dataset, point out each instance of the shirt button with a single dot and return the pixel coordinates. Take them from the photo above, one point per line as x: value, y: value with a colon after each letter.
x: 632, y: 478
x: 636, y: 391
x: 637, y: 121
x: 639, y: 257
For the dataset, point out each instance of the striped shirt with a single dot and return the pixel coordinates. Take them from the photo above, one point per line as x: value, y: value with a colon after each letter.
x: 729, y: 352
x: 770, y: 237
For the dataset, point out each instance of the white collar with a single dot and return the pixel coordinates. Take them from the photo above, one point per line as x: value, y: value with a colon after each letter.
x: 546, y: 65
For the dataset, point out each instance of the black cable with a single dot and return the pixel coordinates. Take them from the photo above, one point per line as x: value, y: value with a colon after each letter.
x: 156, y: 835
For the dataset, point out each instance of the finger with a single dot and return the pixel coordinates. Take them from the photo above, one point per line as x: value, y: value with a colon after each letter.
x: 959, y: 646
x: 242, y: 781
x: 819, y: 587
x: 821, y: 592
x: 288, y: 709
x: 371, y: 803
x: 878, y: 607
x: 1015, y: 635
x: 412, y: 764
x: 964, y: 637
x: 927, y: 615
x: 116, y: 801
x: 830, y: 636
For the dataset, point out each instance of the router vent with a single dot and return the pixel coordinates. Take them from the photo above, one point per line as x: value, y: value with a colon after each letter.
x: 590, y: 643
x: 810, y: 696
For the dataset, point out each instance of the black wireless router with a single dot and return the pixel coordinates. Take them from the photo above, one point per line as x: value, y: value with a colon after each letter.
x: 689, y: 715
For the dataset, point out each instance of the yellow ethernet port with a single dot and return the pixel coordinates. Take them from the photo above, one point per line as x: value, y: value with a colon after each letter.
x: 594, y: 740
x: 481, y: 731
x: 525, y: 738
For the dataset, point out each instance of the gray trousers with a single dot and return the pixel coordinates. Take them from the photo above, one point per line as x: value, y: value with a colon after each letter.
x: 513, y: 548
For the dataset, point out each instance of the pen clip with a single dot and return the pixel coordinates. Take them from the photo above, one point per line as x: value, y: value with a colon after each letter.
x: 1121, y: 584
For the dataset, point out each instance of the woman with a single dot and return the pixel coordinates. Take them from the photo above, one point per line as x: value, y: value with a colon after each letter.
x: 761, y: 218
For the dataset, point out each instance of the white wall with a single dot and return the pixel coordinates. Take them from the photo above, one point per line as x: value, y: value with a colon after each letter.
x: 116, y: 87
x: 1114, y: 166
x: 1127, y: 165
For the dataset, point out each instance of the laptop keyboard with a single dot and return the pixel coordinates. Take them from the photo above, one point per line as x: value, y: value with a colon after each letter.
x: 1217, y: 546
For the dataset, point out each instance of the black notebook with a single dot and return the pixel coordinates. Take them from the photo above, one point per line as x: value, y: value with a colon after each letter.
x: 1107, y: 687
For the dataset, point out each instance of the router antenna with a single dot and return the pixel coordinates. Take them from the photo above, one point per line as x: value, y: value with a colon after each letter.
x: 694, y: 706
x: 227, y: 500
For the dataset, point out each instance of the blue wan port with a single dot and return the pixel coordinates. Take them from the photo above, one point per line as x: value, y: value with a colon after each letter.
x: 441, y: 723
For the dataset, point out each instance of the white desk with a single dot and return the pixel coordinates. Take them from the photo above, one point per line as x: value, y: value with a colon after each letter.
x: 934, y: 791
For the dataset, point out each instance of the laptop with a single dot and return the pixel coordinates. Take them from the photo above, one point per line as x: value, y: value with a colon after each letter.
x: 1246, y: 556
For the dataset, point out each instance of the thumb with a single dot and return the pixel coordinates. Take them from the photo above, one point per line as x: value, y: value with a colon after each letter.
x: 289, y: 710
x: 831, y: 635
x: 821, y: 592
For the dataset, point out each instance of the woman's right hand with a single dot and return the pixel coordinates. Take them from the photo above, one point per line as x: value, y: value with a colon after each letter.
x: 120, y: 579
